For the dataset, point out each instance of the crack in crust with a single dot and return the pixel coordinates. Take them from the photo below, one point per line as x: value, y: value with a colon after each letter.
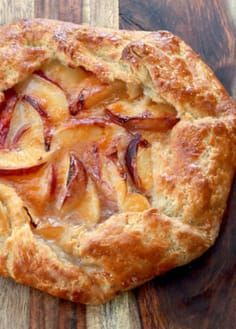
x: 191, y: 179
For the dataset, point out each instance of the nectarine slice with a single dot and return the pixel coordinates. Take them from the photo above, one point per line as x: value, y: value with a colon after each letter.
x: 51, y: 98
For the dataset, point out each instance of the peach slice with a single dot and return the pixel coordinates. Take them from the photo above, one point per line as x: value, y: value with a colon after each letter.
x: 71, y: 182
x: 75, y: 80
x: 94, y: 166
x: 25, y: 116
x: 62, y: 167
x: 8, y: 169
x: 142, y: 115
x: 37, y: 188
x: 127, y: 200
x: 83, y: 90
x: 76, y: 195
x: 131, y: 158
x: 79, y: 134
x: 51, y: 98
x: 4, y: 220
x: 144, y: 168
x: 135, y: 202
x: 23, y: 129
x: 95, y: 92
x: 6, y: 110
x: 152, y: 124
x: 76, y: 183
x: 113, y: 174
x: 50, y: 232
x: 42, y: 75
x: 47, y: 185
x: 29, y: 154
x: 88, y: 208
x: 34, y: 102
x: 50, y: 228
x: 145, y: 122
x: 69, y: 79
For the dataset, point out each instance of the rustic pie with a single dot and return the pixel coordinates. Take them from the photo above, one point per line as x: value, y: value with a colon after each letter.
x: 117, y: 153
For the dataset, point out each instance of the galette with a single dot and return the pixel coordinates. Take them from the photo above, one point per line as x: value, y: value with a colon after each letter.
x: 117, y: 154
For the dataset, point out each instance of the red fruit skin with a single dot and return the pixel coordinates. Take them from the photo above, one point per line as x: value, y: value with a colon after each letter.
x: 76, y: 182
x: 6, y: 109
x: 77, y: 105
x: 144, y: 122
x: 53, y: 182
x: 77, y: 175
x: 41, y: 74
x: 74, y: 107
x: 20, y: 171
x: 34, y: 102
x: 131, y: 158
x: 23, y: 129
x: 92, y: 161
x: 36, y: 105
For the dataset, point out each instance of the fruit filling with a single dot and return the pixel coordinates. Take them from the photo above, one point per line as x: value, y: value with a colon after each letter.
x: 77, y: 150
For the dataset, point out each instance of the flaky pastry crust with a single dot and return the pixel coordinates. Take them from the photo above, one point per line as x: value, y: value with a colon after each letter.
x: 193, y: 172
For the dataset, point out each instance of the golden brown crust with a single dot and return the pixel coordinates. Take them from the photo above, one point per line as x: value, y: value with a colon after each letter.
x: 192, y: 177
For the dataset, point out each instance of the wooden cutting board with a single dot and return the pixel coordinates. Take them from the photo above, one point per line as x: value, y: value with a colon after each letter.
x: 201, y: 295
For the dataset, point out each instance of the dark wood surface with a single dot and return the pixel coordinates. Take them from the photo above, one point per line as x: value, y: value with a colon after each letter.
x: 209, y: 26
x: 201, y: 295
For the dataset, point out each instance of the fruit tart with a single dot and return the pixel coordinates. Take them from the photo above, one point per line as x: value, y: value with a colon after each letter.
x: 117, y: 153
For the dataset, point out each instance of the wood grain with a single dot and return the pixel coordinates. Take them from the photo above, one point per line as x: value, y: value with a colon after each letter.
x: 65, y: 10
x: 201, y: 294
x: 120, y: 313
x: 43, y: 311
x: 14, y: 301
x: 101, y: 13
x: 12, y: 10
